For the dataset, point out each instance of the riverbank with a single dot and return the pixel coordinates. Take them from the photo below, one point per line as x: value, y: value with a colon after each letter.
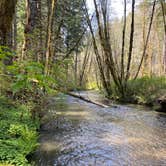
x: 149, y: 91
x: 18, y: 133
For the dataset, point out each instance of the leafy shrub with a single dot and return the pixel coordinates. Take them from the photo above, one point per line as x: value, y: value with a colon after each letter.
x: 60, y: 69
x: 18, y: 136
x: 5, y: 55
x: 145, y: 90
x: 25, y: 79
x: 29, y: 77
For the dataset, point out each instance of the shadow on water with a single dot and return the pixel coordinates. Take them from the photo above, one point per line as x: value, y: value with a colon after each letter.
x: 77, y: 133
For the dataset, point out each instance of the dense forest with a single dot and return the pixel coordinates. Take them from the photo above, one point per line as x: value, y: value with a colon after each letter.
x: 58, y: 46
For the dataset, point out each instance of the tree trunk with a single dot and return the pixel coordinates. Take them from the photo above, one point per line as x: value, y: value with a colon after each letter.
x: 85, y: 62
x: 106, y: 43
x: 7, y: 11
x: 31, y: 25
x: 123, y: 41
x: 98, y: 58
x: 76, y: 68
x: 15, y: 32
x: 131, y: 41
x: 147, y: 39
x: 40, y: 28
x: 164, y: 22
x: 49, y: 33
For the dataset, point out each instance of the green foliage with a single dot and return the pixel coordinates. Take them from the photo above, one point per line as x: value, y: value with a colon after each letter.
x: 5, y: 53
x: 26, y: 76
x: 18, y: 136
x: 5, y: 79
x: 145, y: 90
x: 29, y: 76
x: 60, y: 75
x: 74, y: 23
x: 92, y: 85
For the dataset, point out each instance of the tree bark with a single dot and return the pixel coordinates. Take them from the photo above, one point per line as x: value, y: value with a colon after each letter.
x: 29, y: 45
x: 106, y: 43
x: 164, y: 22
x: 131, y: 41
x: 85, y: 62
x: 7, y: 11
x: 49, y: 33
x: 15, y: 32
x: 123, y: 41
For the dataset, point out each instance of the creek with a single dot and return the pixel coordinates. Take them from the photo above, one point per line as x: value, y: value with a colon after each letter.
x: 78, y: 133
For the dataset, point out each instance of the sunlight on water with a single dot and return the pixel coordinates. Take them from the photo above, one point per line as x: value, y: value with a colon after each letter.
x: 83, y: 134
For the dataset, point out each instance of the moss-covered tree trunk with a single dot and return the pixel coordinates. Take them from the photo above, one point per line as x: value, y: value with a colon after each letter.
x: 30, y: 42
x: 7, y: 11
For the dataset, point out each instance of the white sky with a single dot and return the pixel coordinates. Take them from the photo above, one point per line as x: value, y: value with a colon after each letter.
x: 116, y: 7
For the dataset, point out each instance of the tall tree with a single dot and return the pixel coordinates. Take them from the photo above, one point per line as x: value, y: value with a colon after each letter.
x: 7, y: 11
x: 131, y: 40
x: 49, y: 33
x: 96, y: 51
x: 30, y: 26
x: 147, y: 39
x: 163, y: 4
x: 123, y: 40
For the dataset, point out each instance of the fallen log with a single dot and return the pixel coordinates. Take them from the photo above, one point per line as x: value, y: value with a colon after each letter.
x: 87, y: 100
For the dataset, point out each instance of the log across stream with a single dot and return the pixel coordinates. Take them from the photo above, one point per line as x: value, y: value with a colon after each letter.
x: 87, y: 99
x: 79, y: 133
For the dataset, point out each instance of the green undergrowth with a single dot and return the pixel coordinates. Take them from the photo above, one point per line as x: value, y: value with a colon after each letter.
x: 145, y: 90
x: 18, y: 135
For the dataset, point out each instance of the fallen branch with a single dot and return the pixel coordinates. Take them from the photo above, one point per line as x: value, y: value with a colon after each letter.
x: 87, y: 100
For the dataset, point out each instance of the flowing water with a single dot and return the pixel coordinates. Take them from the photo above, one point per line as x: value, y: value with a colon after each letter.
x: 83, y: 134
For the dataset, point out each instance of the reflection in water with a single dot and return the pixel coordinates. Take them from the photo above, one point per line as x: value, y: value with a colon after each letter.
x: 86, y: 135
